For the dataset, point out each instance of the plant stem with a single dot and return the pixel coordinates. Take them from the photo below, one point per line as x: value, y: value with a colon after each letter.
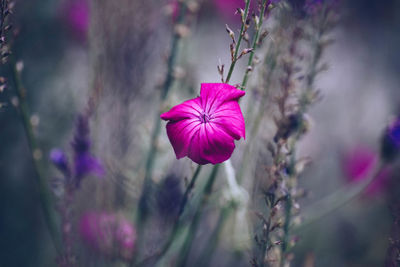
x: 241, y: 34
x: 225, y: 212
x: 207, y: 254
x: 188, y: 191
x: 256, y: 39
x: 176, y: 226
x: 271, y: 60
x: 43, y: 187
x: 337, y: 199
x: 142, y: 212
x: 285, y: 240
x: 157, y: 121
x: 183, y: 255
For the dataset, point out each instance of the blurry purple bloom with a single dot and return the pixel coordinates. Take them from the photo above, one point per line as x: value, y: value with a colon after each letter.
x: 84, y: 162
x: 108, y: 233
x: 77, y: 13
x: 357, y: 164
x: 204, y: 128
x: 391, y: 141
x: 394, y: 132
x: 59, y: 159
x: 81, y: 141
x: 169, y: 196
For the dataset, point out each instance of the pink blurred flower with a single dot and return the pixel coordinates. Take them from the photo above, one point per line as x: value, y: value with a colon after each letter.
x: 227, y: 8
x: 108, y: 233
x: 204, y: 128
x: 172, y: 9
x: 76, y: 14
x: 358, y: 162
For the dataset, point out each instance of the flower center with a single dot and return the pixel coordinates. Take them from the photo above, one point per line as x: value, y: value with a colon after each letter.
x: 204, y: 117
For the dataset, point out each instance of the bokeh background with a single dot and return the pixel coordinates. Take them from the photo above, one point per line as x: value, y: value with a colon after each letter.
x: 73, y: 49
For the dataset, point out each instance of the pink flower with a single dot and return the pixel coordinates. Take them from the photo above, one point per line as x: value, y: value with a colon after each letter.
x: 76, y: 14
x: 108, y: 233
x: 357, y: 164
x: 227, y: 9
x: 204, y: 128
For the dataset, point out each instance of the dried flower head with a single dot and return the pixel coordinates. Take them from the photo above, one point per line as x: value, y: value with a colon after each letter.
x: 204, y: 128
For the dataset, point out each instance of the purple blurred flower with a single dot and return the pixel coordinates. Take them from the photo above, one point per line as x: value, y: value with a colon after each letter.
x: 169, y: 196
x: 358, y: 162
x: 59, y: 159
x: 76, y: 14
x: 108, y: 233
x: 393, y: 132
x: 84, y: 162
x: 391, y: 141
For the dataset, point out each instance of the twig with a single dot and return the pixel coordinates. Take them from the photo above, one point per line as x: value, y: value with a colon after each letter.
x: 183, y: 255
x: 142, y: 212
x: 237, y: 46
x: 337, y: 199
x: 256, y: 40
x: 43, y: 187
x: 176, y: 226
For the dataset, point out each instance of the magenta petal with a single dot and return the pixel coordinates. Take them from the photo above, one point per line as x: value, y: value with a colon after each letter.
x: 187, y: 110
x: 211, y: 145
x: 229, y: 117
x: 214, y: 94
x: 204, y: 128
x: 180, y: 133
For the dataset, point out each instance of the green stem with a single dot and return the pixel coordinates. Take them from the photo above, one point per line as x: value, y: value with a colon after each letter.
x: 256, y: 39
x: 188, y: 191
x: 43, y: 187
x: 286, y: 226
x: 237, y: 47
x: 271, y: 59
x: 183, y: 255
x: 337, y: 199
x: 176, y: 226
x: 207, y: 254
x: 142, y: 211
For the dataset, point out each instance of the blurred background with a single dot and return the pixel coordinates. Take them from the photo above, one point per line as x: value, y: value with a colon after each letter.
x: 115, y: 52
